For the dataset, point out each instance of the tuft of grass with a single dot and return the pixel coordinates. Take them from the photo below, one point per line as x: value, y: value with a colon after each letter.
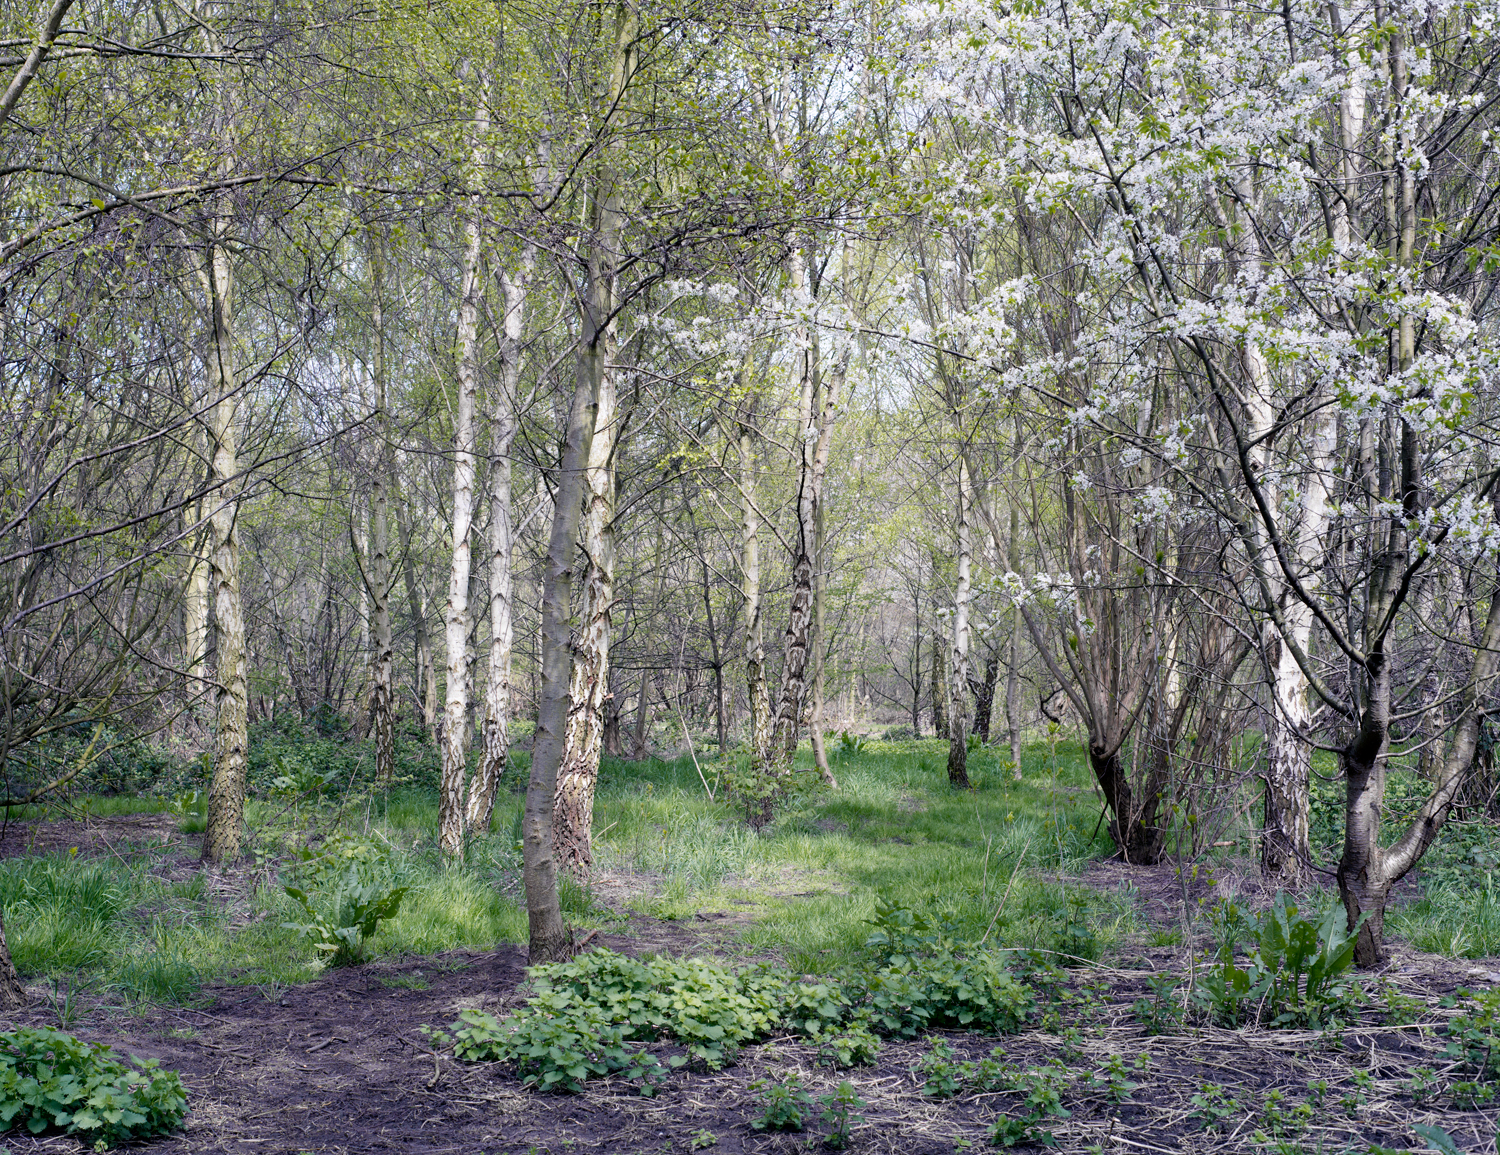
x: 448, y: 909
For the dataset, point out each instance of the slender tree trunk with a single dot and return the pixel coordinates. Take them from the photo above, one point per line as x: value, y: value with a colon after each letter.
x: 613, y: 746
x: 916, y: 679
x: 642, y: 701
x: 195, y: 606
x: 456, y: 617
x: 226, y: 795
x: 1285, y: 850
x: 382, y: 692
x: 755, y: 647
x: 578, y: 774
x: 1013, y: 693
x: 958, y: 682
x: 503, y: 427
x: 783, y: 746
x: 425, y: 687
x: 984, y: 696
x: 716, y: 657
x: 817, y: 411
x: 938, y: 687
x: 820, y: 653
x: 550, y: 939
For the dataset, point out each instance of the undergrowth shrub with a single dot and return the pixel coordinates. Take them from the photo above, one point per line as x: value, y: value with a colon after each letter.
x: 926, y: 984
x: 588, y: 1017
x: 948, y: 991
x: 52, y: 1081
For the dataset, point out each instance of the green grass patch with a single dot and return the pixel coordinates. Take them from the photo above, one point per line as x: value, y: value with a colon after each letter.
x: 990, y: 864
x: 987, y: 860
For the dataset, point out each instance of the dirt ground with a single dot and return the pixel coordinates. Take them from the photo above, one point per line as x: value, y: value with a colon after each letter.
x: 340, y: 1066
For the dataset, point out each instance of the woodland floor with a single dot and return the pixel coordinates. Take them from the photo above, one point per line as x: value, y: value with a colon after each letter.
x: 339, y: 1064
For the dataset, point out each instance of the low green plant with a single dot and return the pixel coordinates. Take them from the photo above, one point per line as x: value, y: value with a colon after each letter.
x: 976, y: 992
x: 1470, y: 1095
x: 854, y: 1044
x: 583, y: 1014
x: 944, y: 1076
x: 1357, y: 1095
x: 851, y: 745
x: 1423, y: 1085
x: 1160, y: 1012
x: 702, y: 1139
x: 941, y: 1075
x: 1281, y: 1119
x: 1043, y: 1088
x: 1474, y: 1034
x: 1006, y: 1131
x: 840, y: 1111
x: 702, y: 1004
x: 755, y: 794
x: 1116, y: 1081
x: 551, y: 1054
x: 1076, y: 940
x: 785, y: 1104
x: 50, y: 1080
x: 1212, y: 1105
x: 1296, y: 975
x: 190, y: 807
x: 903, y: 935
x: 341, y: 923
x: 1437, y: 1139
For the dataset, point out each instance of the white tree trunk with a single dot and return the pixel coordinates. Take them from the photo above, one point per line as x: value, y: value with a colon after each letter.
x: 226, y: 796
x: 382, y: 696
x: 958, y: 674
x: 456, y: 615
x: 578, y: 773
x: 755, y: 644
x: 503, y: 426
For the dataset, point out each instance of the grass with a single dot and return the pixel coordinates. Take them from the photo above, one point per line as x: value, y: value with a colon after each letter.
x: 894, y: 829
x: 993, y: 863
x: 121, y: 928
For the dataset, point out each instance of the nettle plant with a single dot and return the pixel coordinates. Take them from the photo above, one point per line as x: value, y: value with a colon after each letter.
x: 51, y: 1081
x: 591, y: 1017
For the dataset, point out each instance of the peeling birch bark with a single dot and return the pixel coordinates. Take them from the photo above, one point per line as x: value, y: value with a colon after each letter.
x: 503, y: 427
x: 578, y: 773
x: 456, y: 616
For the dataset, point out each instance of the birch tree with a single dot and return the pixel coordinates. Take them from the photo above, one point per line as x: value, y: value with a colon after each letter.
x: 456, y: 614
x: 504, y: 423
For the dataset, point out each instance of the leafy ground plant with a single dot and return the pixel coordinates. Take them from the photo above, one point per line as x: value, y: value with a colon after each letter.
x: 582, y: 1013
x: 840, y: 1112
x: 50, y: 1080
x: 347, y: 896
x: 343, y: 923
x: 785, y: 1104
x: 1295, y: 976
